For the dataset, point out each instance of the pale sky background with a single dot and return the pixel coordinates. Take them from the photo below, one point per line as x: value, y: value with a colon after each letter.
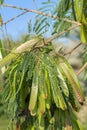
x: 18, y: 26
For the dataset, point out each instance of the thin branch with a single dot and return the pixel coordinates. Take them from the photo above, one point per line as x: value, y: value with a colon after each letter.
x: 82, y: 69
x: 4, y: 23
x: 28, y: 45
x: 61, y: 33
x: 73, y: 49
x: 56, y: 36
x: 41, y: 13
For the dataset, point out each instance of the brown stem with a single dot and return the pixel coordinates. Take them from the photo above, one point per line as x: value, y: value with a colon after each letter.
x: 41, y: 13
x: 58, y: 35
x: 4, y: 23
x: 73, y: 49
x: 69, y: 127
x: 17, y: 125
x: 82, y: 69
x: 61, y: 33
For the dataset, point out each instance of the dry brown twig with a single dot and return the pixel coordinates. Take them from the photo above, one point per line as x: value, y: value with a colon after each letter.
x: 67, y: 53
x: 82, y: 69
x: 61, y: 33
x: 84, y: 66
x: 4, y: 23
x: 42, y: 13
x: 58, y: 35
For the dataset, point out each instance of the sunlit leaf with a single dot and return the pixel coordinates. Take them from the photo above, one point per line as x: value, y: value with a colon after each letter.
x: 1, y: 20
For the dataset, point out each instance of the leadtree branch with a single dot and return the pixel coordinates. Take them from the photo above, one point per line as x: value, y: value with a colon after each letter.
x: 4, y: 23
x: 58, y: 35
x: 73, y: 49
x: 29, y: 44
x: 41, y: 13
x: 61, y: 33
x: 82, y: 69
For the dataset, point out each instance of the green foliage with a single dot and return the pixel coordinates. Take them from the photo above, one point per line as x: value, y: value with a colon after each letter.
x: 42, y: 24
x: 67, y: 9
x: 38, y: 88
x: 81, y: 11
x: 62, y: 9
x: 1, y: 2
x: 2, y: 49
x: 85, y: 61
